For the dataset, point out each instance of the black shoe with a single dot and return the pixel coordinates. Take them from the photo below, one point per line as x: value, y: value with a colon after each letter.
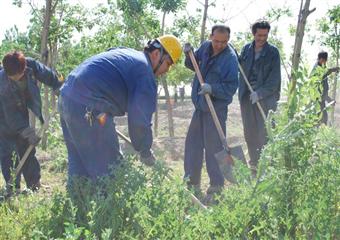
x: 213, y: 195
x: 196, y: 189
x: 34, y: 187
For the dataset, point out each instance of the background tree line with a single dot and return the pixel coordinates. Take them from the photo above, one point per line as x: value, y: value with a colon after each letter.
x: 50, y: 36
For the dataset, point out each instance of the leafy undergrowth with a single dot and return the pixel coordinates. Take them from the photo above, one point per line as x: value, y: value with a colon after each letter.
x: 140, y: 203
x: 295, y: 195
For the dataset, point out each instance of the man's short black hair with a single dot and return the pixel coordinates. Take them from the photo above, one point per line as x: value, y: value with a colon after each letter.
x: 260, y: 24
x: 323, y: 55
x: 220, y: 28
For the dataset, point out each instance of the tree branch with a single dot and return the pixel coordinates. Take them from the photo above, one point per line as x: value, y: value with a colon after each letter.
x: 310, y: 11
x: 34, y: 10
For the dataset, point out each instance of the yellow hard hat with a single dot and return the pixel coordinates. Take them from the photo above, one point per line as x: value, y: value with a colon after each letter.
x: 172, y: 45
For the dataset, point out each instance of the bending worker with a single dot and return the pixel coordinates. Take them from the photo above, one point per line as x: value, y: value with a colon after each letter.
x: 118, y: 81
x: 18, y: 93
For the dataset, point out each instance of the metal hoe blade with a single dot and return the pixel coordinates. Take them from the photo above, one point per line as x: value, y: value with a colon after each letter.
x: 225, y: 163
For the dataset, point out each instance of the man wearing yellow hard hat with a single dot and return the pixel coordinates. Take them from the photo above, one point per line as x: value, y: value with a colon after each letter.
x: 118, y: 81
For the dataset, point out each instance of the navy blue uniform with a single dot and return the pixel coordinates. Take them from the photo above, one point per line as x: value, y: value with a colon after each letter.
x: 220, y: 71
x: 114, y: 82
x: 14, y: 117
x: 264, y: 75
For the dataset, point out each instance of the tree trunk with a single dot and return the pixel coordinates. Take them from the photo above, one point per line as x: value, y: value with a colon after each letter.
x: 289, y: 164
x: 167, y: 95
x: 44, y: 60
x: 336, y: 76
x: 54, y: 60
x: 155, y: 120
x: 204, y: 20
x: 300, y: 31
x: 169, y: 107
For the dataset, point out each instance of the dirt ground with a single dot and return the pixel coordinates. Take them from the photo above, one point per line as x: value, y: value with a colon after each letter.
x: 173, y: 148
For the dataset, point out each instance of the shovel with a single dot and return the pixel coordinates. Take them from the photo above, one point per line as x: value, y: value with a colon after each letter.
x: 194, y: 199
x: 224, y: 157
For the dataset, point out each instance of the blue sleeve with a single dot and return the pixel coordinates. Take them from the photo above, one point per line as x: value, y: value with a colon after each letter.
x: 198, y: 57
x: 44, y: 74
x: 226, y: 87
x: 188, y: 62
x: 273, y: 81
x: 141, y: 105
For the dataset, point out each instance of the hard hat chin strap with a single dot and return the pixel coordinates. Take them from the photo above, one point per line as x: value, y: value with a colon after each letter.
x: 161, y: 60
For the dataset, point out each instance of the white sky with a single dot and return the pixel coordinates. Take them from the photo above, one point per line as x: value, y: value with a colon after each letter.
x: 241, y: 13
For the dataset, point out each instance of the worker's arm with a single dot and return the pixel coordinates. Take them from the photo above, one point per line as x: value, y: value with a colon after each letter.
x: 141, y: 106
x: 44, y: 74
x: 273, y: 81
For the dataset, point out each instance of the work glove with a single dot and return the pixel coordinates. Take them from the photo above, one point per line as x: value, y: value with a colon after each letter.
x: 148, y: 159
x: 254, y: 97
x: 187, y: 48
x: 331, y: 70
x: 205, y: 89
x: 29, y: 134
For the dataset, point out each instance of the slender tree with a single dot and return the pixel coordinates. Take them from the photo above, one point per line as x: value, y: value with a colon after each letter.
x: 304, y: 12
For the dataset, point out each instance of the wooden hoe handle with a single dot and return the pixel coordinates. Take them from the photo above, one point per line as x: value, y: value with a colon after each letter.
x: 209, y: 102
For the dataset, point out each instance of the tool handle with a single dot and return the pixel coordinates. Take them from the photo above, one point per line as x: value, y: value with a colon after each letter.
x: 251, y: 91
x: 209, y: 102
x: 194, y: 199
x: 30, y: 148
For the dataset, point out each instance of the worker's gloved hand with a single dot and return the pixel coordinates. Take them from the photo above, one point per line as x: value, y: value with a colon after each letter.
x: 254, y: 97
x: 205, y: 89
x: 187, y: 48
x: 29, y: 134
x: 147, y: 158
x: 334, y: 69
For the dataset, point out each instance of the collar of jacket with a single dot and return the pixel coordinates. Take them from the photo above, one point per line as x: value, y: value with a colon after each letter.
x: 210, y: 50
x: 149, y: 60
x: 263, y: 51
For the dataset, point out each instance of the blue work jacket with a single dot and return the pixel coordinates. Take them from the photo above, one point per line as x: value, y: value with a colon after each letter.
x: 118, y: 81
x: 220, y: 71
x: 13, y: 108
x: 268, y: 82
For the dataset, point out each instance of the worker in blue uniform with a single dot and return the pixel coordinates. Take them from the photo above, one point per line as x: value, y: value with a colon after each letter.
x: 218, y: 65
x: 19, y: 92
x: 118, y: 81
x: 260, y: 61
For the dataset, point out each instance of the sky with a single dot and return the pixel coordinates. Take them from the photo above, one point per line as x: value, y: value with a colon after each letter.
x: 239, y: 14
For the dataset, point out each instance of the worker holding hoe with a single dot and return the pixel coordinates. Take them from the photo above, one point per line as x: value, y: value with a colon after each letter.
x: 260, y: 61
x: 118, y: 81
x: 18, y: 93
x: 218, y: 64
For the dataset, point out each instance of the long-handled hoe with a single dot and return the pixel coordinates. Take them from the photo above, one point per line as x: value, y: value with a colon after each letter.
x: 223, y: 157
x: 194, y: 199
x: 29, y: 150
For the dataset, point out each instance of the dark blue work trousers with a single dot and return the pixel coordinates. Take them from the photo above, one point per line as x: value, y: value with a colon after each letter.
x: 93, y: 149
x: 202, y: 138
x: 9, y: 161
